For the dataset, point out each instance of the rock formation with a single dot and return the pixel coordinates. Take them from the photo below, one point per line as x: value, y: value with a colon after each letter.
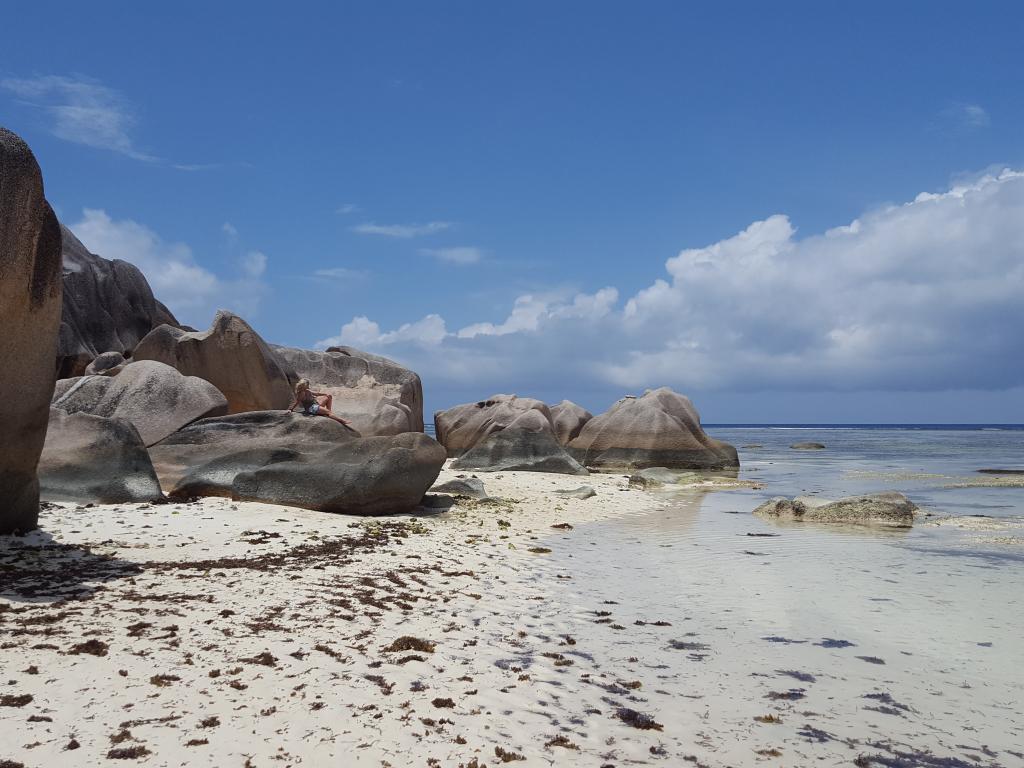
x: 376, y: 395
x: 152, y: 396
x: 886, y: 509
x: 460, y: 428
x: 94, y: 459
x: 30, y: 306
x: 659, y: 429
x: 567, y: 419
x: 285, y: 458
x: 106, y: 364
x: 504, y: 432
x: 471, y: 487
x: 108, y: 307
x: 230, y: 355
x: 807, y: 446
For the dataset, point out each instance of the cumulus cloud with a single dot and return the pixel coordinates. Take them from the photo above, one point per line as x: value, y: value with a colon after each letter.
x: 190, y: 290
x: 928, y: 295
x: 403, y: 231
x: 461, y: 255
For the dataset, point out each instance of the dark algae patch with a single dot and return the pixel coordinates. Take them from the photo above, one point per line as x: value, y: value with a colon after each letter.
x: 128, y: 753
x: 409, y: 643
x: 92, y: 647
x: 638, y: 720
x: 15, y: 700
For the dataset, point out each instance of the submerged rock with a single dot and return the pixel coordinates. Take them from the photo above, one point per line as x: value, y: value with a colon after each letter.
x: 808, y: 446
x: 30, y: 307
x: 154, y: 397
x: 656, y: 477
x: 92, y: 459
x: 462, y: 486
x: 659, y: 429
x: 230, y: 355
x: 304, y: 461
x: 378, y: 396
x: 886, y: 509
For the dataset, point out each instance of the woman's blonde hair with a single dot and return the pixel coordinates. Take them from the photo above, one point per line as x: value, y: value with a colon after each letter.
x: 301, y: 385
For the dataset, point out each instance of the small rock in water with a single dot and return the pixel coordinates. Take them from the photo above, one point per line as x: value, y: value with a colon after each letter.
x: 807, y: 446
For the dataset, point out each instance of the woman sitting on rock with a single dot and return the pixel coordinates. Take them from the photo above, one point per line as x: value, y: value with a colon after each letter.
x: 314, y: 403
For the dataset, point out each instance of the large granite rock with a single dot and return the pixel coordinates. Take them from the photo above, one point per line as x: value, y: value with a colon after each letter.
x: 526, y: 445
x: 30, y: 306
x: 106, y: 364
x: 885, y: 509
x: 94, y: 459
x: 154, y: 397
x: 285, y: 458
x: 230, y: 355
x: 108, y: 307
x: 659, y: 429
x: 568, y: 420
x: 376, y: 395
x: 460, y: 428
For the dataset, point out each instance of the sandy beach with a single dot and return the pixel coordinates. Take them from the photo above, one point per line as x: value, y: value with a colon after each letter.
x: 223, y: 633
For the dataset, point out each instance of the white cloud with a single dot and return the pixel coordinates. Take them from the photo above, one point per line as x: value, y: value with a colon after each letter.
x: 404, y: 231
x: 340, y: 273
x: 346, y: 208
x: 82, y: 111
x: 462, y: 255
x: 975, y: 116
x: 254, y: 263
x: 192, y: 292
x: 364, y: 333
x: 928, y: 295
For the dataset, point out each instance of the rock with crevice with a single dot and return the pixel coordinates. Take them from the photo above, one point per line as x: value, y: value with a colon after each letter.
x: 659, y: 429
x: 525, y: 445
x: 106, y: 364
x: 230, y: 355
x: 30, y: 307
x: 92, y: 459
x: 155, y: 398
x: 568, y: 420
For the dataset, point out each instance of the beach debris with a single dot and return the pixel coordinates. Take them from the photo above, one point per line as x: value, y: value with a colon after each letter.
x: 635, y: 719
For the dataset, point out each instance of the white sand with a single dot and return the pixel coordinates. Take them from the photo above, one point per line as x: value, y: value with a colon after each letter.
x: 526, y: 672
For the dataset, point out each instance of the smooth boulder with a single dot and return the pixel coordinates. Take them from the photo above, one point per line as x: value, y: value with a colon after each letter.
x: 303, y: 461
x: 659, y: 429
x: 106, y: 364
x: 230, y: 355
x: 461, y: 428
x: 568, y: 420
x: 883, y: 509
x: 30, y: 307
x: 376, y: 395
x: 108, y: 306
x: 525, y: 445
x: 92, y: 459
x: 154, y: 397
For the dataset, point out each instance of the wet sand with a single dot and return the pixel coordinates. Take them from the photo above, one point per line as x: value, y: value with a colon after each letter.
x: 631, y: 628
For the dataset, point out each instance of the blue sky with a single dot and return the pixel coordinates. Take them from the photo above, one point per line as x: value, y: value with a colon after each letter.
x: 548, y: 198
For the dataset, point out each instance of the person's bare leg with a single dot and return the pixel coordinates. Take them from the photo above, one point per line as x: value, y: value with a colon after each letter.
x: 328, y: 414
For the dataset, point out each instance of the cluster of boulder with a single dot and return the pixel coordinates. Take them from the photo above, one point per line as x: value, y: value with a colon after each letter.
x: 105, y: 397
x: 659, y: 429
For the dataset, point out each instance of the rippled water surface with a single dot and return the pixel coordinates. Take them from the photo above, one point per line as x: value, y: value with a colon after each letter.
x: 904, y: 645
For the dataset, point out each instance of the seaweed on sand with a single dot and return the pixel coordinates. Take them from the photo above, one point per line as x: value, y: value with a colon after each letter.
x: 638, y: 720
x: 409, y: 643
